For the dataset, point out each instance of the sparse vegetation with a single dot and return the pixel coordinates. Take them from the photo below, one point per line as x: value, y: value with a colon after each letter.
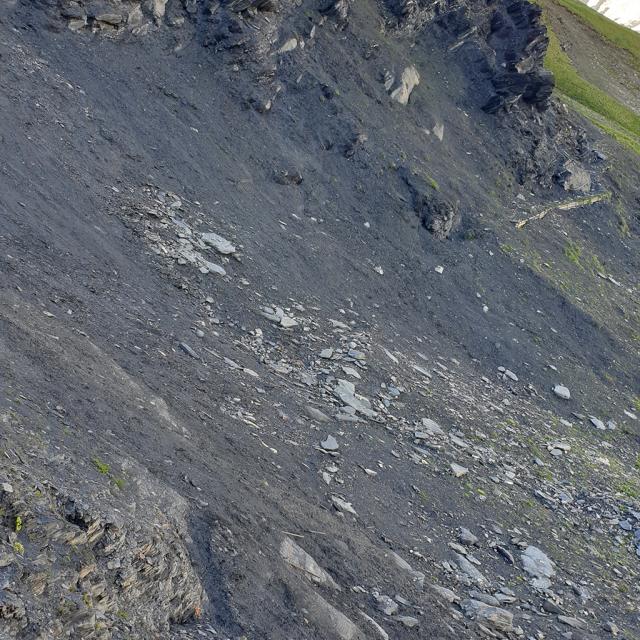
x: 18, y: 547
x: 101, y: 466
x: 573, y: 252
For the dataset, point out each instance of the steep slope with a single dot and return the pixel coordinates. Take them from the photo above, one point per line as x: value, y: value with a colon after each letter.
x: 359, y: 365
x: 621, y: 11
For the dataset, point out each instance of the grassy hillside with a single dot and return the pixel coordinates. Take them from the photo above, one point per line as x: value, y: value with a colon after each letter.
x: 593, y: 102
x: 613, y: 32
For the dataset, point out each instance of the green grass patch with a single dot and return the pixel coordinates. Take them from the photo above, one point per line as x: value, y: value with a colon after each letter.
x: 573, y: 252
x: 569, y: 82
x: 615, y: 33
x: 102, y: 467
x: 613, y: 117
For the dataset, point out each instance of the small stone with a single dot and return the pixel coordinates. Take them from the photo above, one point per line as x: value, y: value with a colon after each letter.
x: 446, y: 594
x: 288, y: 322
x: 611, y: 627
x: 330, y: 444
x: 290, y: 45
x: 220, y: 244
x: 408, y: 621
x: 458, y: 470
x: 597, y: 423
x: 466, y: 537
x: 387, y: 605
x: 562, y: 392
x: 6, y: 487
x: 188, y: 350
x: 431, y: 427
x: 575, y: 623
x: 343, y: 505
x: 326, y: 353
x: 471, y: 572
x: 113, y: 19
x: 316, y: 414
x: 490, y: 616
x: 439, y: 269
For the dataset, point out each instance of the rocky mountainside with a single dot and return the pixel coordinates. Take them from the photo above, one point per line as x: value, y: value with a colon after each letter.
x: 319, y: 320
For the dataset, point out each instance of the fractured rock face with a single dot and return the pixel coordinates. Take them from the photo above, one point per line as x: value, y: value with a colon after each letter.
x: 574, y: 177
x: 437, y: 215
x: 401, y: 91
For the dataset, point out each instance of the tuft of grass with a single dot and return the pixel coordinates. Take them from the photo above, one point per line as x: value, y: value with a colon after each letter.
x: 18, y: 547
x: 18, y: 524
x: 629, y: 489
x: 119, y: 482
x: 102, y: 467
x: 573, y: 252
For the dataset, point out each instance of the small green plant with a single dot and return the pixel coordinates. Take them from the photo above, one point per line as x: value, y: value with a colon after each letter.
x: 102, y: 467
x: 636, y: 403
x: 573, y: 252
x: 637, y: 465
x: 507, y: 248
x: 119, y: 482
x: 18, y: 547
x: 18, y: 524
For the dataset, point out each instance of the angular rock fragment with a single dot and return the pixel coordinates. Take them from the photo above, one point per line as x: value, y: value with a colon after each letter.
x: 401, y: 91
x: 297, y: 557
x: 491, y: 616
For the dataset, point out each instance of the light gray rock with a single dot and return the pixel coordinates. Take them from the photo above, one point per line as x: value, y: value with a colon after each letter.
x: 574, y: 623
x: 431, y: 427
x: 316, y: 414
x: 326, y: 617
x: 597, y: 423
x: 380, y: 631
x: 297, y: 557
x: 445, y: 594
x: 490, y: 616
x: 473, y: 573
x: 466, y: 537
x: 409, y: 79
x: 408, y: 621
x: 538, y: 565
x: 387, y: 605
x: 401, y: 563
x: 329, y: 444
x: 458, y: 470
x: 220, y: 244
x: 343, y: 505
x: 562, y: 392
x: 346, y: 392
